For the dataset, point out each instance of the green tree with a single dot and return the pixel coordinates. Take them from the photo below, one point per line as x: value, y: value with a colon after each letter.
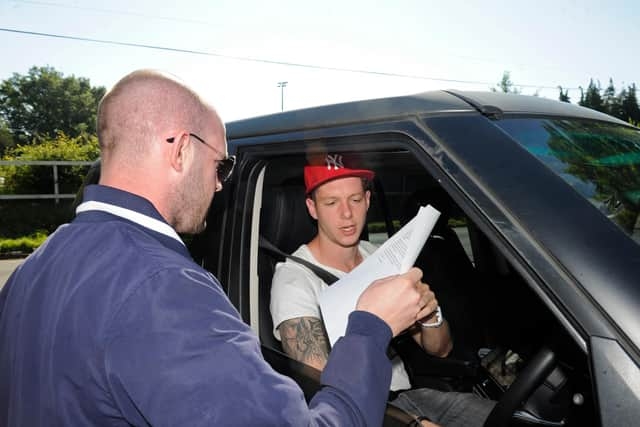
x: 6, y: 138
x: 605, y: 156
x: 629, y: 105
x: 611, y: 102
x: 44, y: 102
x: 564, y: 95
x: 505, y: 84
x: 592, y: 98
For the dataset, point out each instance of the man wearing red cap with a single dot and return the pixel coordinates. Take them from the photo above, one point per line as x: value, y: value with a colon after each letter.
x: 338, y: 199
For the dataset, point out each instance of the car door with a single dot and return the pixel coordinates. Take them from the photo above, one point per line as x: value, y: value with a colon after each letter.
x: 494, y: 182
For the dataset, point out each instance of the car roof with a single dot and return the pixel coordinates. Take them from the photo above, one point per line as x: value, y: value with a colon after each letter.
x: 349, y: 112
x: 510, y: 103
x: 436, y: 102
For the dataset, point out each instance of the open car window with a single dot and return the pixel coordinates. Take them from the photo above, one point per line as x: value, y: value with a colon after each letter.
x: 498, y: 321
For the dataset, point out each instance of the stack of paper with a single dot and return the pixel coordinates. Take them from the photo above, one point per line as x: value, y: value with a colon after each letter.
x: 396, y: 256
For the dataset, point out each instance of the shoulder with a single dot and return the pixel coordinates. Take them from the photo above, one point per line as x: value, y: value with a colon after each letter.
x: 133, y: 268
x: 303, y: 252
x: 291, y: 267
x: 182, y: 296
x: 292, y: 276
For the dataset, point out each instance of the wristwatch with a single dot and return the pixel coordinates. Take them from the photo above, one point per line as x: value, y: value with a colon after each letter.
x: 436, y: 323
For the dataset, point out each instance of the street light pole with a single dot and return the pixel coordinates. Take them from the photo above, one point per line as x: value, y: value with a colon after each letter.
x: 282, y: 85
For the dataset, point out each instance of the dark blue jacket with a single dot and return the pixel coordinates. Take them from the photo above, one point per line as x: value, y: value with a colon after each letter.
x: 112, y: 323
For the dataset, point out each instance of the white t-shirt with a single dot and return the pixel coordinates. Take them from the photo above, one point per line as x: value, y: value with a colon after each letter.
x: 295, y: 291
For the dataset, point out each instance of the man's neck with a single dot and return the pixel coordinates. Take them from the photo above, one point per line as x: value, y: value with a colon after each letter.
x: 335, y: 256
x: 140, y: 188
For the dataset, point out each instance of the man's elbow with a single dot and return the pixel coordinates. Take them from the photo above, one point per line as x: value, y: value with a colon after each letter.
x: 444, y: 349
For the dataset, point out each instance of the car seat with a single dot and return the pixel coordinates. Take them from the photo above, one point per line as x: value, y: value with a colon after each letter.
x: 286, y: 224
x: 451, y: 275
x: 449, y: 271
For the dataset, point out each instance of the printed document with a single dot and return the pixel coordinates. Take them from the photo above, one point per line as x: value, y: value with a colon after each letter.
x: 396, y: 256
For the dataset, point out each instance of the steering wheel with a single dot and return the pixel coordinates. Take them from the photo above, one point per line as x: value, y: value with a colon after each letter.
x: 531, y: 377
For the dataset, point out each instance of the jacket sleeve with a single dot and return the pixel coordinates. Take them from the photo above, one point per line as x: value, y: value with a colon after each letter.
x: 177, y: 353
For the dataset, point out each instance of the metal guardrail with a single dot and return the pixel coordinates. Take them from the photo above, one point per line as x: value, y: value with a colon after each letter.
x: 56, y: 189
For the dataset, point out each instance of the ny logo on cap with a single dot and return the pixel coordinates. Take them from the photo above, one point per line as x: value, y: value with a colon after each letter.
x: 335, y: 161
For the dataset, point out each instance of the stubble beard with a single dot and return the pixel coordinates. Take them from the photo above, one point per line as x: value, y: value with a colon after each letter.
x: 192, y: 205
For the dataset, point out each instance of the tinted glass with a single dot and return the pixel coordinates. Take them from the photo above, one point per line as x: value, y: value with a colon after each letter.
x: 600, y: 160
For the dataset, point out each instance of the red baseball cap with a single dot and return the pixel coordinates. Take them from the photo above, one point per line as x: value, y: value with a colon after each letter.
x: 332, y: 168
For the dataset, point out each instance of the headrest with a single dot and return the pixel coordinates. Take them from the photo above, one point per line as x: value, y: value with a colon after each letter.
x: 284, y: 220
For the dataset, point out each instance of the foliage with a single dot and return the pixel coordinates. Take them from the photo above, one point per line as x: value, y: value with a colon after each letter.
x: 6, y: 138
x: 39, y: 179
x: 610, y: 102
x: 22, y: 217
x: 623, y: 105
x: 592, y: 98
x: 381, y: 227
x: 506, y: 85
x: 25, y: 244
x: 605, y: 157
x: 44, y: 102
x: 629, y: 105
x: 564, y: 96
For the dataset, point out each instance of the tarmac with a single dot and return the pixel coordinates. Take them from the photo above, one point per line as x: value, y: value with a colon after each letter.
x: 6, y: 268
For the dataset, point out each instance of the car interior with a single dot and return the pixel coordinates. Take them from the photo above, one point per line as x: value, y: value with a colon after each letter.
x: 508, y: 345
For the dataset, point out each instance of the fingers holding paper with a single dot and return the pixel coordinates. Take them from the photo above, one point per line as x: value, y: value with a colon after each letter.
x: 428, y: 302
x: 432, y: 331
x: 397, y: 300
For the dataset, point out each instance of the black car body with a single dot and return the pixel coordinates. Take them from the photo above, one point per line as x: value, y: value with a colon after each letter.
x: 544, y: 199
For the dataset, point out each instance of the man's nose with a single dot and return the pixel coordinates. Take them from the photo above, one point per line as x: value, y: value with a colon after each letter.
x: 346, y: 210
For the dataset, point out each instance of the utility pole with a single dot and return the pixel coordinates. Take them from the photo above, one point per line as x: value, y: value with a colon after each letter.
x: 282, y: 85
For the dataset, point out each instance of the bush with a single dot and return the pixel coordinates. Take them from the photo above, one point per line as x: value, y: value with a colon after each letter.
x: 24, y: 217
x: 380, y: 227
x: 23, y: 244
x: 39, y: 179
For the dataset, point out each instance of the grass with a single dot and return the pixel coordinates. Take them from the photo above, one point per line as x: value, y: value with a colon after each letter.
x: 26, y: 244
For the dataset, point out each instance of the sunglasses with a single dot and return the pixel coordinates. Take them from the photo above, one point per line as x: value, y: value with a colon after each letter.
x: 224, y: 168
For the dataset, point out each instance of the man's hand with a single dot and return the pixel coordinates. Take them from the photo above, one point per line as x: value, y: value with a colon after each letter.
x: 398, y: 300
x: 435, y: 341
x: 431, y: 303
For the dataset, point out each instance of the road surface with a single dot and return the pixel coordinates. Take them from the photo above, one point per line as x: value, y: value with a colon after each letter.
x: 6, y: 268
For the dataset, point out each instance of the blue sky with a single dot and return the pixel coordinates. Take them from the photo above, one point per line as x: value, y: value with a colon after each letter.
x: 462, y: 45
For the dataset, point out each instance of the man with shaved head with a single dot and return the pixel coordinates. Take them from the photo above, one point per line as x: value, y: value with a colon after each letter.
x: 110, y: 322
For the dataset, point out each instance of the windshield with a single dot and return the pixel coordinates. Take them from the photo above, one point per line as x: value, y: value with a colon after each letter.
x: 600, y: 160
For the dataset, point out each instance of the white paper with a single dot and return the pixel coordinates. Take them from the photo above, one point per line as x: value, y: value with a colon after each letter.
x: 396, y: 256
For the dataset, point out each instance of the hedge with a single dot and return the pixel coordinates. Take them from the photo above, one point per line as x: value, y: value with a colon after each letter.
x: 25, y: 244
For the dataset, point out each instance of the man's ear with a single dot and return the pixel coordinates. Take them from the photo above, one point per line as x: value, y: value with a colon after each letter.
x: 178, y: 151
x: 311, y: 207
x: 367, y: 197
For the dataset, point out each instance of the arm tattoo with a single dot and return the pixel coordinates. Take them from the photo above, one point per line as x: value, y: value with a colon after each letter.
x: 304, y: 339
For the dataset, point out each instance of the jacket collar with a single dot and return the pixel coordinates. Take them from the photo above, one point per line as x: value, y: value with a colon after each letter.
x: 99, y: 200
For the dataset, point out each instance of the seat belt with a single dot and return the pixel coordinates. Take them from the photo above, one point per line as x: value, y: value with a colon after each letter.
x: 323, y: 274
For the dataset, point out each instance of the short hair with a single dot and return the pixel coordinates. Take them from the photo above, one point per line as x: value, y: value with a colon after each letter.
x: 141, y: 102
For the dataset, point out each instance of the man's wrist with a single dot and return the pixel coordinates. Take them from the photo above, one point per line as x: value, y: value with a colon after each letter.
x: 435, y: 322
x: 366, y: 323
